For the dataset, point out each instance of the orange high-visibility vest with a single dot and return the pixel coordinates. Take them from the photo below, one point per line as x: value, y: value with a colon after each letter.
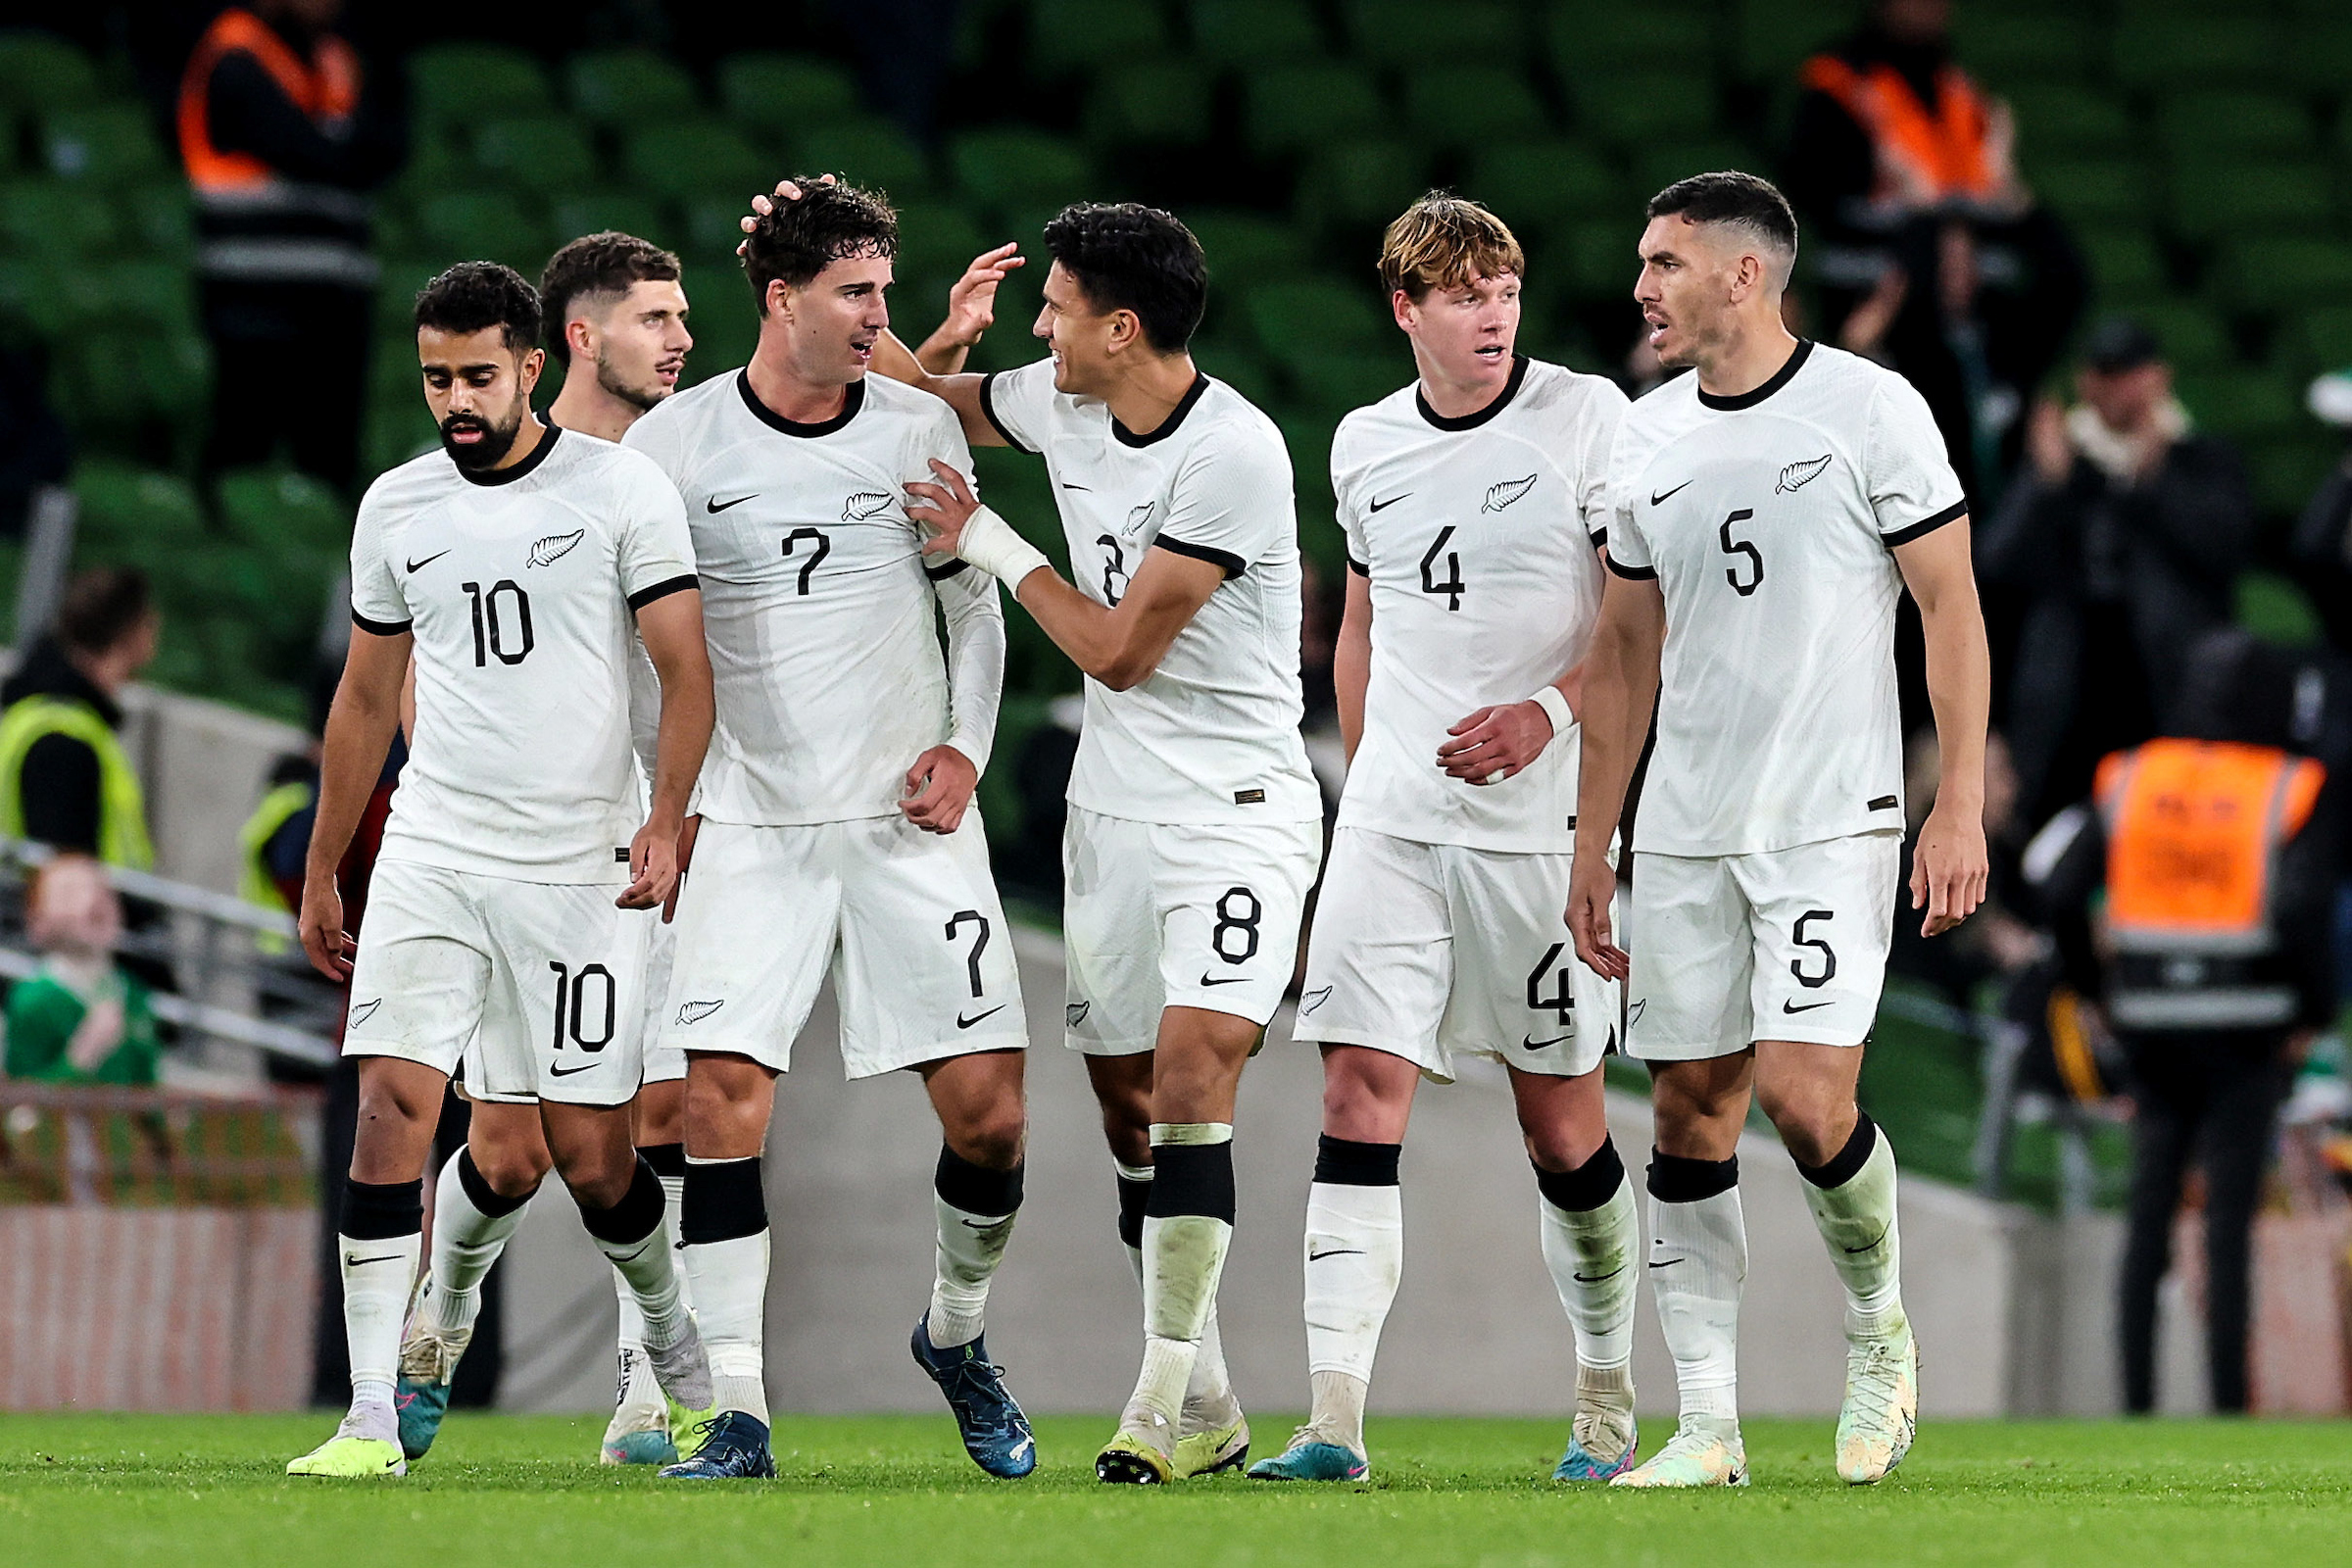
x: 1941, y: 148
x: 327, y: 88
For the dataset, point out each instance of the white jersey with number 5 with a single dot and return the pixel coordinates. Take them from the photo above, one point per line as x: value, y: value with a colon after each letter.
x: 520, y: 588
x: 1769, y: 520
x: 1478, y: 536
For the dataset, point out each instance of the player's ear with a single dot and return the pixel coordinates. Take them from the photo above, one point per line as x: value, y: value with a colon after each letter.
x: 1400, y: 305
x: 527, y: 368
x: 580, y: 338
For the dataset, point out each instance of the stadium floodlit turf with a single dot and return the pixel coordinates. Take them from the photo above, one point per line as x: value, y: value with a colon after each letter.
x: 513, y: 1491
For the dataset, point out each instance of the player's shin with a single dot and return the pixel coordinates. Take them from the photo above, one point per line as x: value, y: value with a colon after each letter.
x: 639, y: 1392
x: 1697, y: 1269
x: 381, y: 1233
x: 1853, y: 1201
x: 472, y: 1223
x: 724, y: 1226
x: 1591, y: 1233
x: 1208, y: 1401
x: 1188, y: 1226
x: 1355, y: 1258
x: 976, y: 1210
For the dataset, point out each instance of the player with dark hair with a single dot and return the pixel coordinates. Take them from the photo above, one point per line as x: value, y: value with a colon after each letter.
x: 1768, y: 511
x: 615, y: 306
x: 520, y: 568
x: 836, y: 828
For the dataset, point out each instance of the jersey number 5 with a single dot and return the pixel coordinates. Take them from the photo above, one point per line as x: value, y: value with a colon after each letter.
x: 1741, y: 547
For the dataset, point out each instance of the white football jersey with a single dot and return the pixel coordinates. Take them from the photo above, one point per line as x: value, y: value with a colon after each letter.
x: 818, y: 601
x: 1212, y: 735
x: 1769, y: 520
x: 519, y: 587
x: 1478, y: 535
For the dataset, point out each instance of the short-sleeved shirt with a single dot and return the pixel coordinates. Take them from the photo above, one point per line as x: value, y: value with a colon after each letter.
x: 821, y: 611
x: 1769, y: 520
x: 1478, y: 535
x: 1211, y: 736
x: 521, y: 586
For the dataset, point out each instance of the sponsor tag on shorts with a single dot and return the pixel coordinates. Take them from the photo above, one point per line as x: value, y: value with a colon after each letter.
x: 1249, y: 797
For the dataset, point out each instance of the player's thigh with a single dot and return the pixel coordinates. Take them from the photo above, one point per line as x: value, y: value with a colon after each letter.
x: 1520, y: 994
x: 927, y: 968
x: 1110, y: 937
x: 758, y: 924
x: 1821, y: 918
x: 1231, y: 900
x: 1687, y: 998
x: 1380, y: 959
x: 566, y: 1019
x: 423, y: 972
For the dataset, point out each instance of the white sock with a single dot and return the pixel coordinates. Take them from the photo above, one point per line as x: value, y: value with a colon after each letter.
x: 1590, y: 1254
x: 377, y: 1276
x: 1857, y: 1220
x: 649, y: 1266
x: 639, y: 1390
x: 1209, y: 1399
x: 1697, y: 1267
x: 1355, y: 1258
x: 1184, y: 1258
x: 970, y: 1247
x: 466, y: 1242
x: 730, y: 1292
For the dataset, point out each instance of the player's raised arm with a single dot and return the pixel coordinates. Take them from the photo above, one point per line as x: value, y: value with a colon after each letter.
x: 671, y: 627
x: 1620, y: 690
x: 358, y: 732
x: 1948, y: 869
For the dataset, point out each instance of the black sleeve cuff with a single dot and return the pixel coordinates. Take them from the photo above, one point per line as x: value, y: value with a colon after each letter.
x: 1230, y: 564
x: 1358, y: 568
x: 1600, y: 538
x: 663, y: 590
x: 943, y: 574
x: 1926, y: 526
x: 381, y: 628
x: 987, y: 406
x: 1632, y: 573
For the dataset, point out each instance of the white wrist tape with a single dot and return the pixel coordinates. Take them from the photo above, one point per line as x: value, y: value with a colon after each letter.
x: 1555, y: 708
x: 990, y: 543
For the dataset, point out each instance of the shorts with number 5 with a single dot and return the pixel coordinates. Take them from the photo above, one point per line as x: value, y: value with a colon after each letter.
x: 550, y: 976
x: 1159, y: 915
x: 1786, y: 945
x: 907, y: 922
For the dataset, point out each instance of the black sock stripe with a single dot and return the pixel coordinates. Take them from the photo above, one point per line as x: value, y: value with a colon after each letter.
x: 1347, y: 1162
x: 668, y: 1160
x: 1674, y: 1179
x: 478, y: 1190
x: 975, y: 1188
x: 1589, y: 1185
x: 382, y: 1211
x: 1134, y: 1197
x: 723, y: 1201
x: 1849, y: 1161
x: 1191, y: 1179
x: 636, y: 1216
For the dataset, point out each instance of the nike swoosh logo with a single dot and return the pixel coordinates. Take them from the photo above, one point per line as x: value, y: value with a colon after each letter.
x: 566, y: 1072
x: 350, y: 1262
x: 714, y: 506
x: 1658, y: 499
x: 1088, y: 488
x: 1867, y: 1246
x: 1665, y: 1263
x: 1336, y: 1252
x: 1790, y: 1007
x: 1539, y: 1045
x: 420, y: 565
x: 1381, y: 506
x: 961, y: 1023
x: 1596, y: 1279
x: 988, y: 1224
x: 634, y: 1256
x: 1229, y: 980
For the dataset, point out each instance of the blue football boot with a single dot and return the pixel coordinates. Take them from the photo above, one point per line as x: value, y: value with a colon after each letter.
x: 1312, y: 1456
x: 732, y: 1445
x: 428, y: 1360
x: 995, y: 1432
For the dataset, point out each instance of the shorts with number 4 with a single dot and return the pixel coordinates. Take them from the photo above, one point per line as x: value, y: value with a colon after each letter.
x: 1785, y: 945
x: 907, y: 922
x: 1157, y: 915
x: 545, y: 980
x: 1433, y: 951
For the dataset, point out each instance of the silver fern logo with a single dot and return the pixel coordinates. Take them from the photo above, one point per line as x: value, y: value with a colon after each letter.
x: 1798, y: 476
x: 554, y: 547
x: 361, y: 1013
x: 697, y: 1012
x: 1499, y: 496
x: 1313, y: 1000
x: 1075, y: 1013
x: 1139, y: 516
x: 865, y: 505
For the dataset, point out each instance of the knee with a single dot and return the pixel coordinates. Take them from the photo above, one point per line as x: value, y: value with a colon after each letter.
x: 511, y: 1170
x: 392, y: 1105
x: 993, y: 1139
x: 1813, y: 1124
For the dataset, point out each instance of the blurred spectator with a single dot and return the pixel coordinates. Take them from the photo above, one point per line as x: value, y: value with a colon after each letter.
x: 1932, y: 255
x: 2122, y: 542
x: 65, y: 779
x: 282, y: 133
x: 277, y: 838
x: 1994, y: 942
x: 78, y: 1019
x: 2214, y: 850
x: 2321, y: 546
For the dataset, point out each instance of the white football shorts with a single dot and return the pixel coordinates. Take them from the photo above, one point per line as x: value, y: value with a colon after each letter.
x: 665, y: 1061
x: 1159, y: 915
x: 546, y: 980
x: 1432, y: 950
x: 1787, y: 945
x: 908, y: 923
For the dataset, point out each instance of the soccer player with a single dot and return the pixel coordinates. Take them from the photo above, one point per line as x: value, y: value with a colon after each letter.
x: 1194, y: 828
x: 1770, y: 508
x: 511, y: 565
x: 834, y: 828
x: 1475, y: 506
x: 615, y: 311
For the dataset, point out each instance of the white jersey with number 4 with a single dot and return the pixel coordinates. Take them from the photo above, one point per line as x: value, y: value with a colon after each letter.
x: 1478, y: 536
x: 520, y: 588
x: 1769, y: 520
x: 1211, y: 736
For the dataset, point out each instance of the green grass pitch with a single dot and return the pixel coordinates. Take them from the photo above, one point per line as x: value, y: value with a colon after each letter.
x: 516, y: 1492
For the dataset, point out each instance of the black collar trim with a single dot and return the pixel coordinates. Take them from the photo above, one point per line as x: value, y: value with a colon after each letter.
x: 852, y: 399
x: 1167, y: 426
x: 1780, y: 378
x: 508, y: 475
x: 1471, y: 422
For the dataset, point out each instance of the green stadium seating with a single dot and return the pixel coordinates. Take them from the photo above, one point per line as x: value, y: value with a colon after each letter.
x: 2322, y: 338
x: 2242, y: 404
x: 463, y: 225
x: 2125, y: 264
x: 541, y: 155
x: 1304, y: 319
x: 2201, y: 125
x: 1771, y: 38
x: 110, y: 145
x: 1536, y: 186
x: 2088, y: 190
x: 162, y: 220
x: 155, y: 296
x: 123, y: 503
x: 1600, y: 257
x: 2001, y: 47
x: 1238, y: 366
x: 1004, y: 171
x: 1466, y: 105
x: 397, y: 430
x: 399, y: 279
x: 2155, y: 54
x: 1073, y: 38
x: 725, y: 323
x: 592, y: 211
x: 1583, y: 38
x: 2279, y: 273
x: 626, y: 87
x: 1255, y: 32
x: 685, y: 161
x: 776, y: 96
x: 454, y: 84
x: 1405, y: 34
x: 1242, y: 246
x: 132, y: 390
x: 280, y: 507
x: 1361, y: 183
x: 2191, y: 337
x: 1154, y: 103
x: 1637, y: 109
x: 936, y: 243
x: 2069, y: 120
x: 867, y: 151
x: 2211, y: 199
x: 2321, y: 58
x: 50, y: 218
x: 2285, y: 470
x: 1657, y: 167
x: 1334, y: 384
x: 41, y: 72
x: 1294, y: 108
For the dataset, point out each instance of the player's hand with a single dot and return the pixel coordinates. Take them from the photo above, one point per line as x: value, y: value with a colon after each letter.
x: 1948, y: 868
x: 1495, y: 743
x: 943, y: 507
x: 321, y: 924
x: 1592, y: 888
x: 652, y: 870
x: 762, y: 206
x: 939, y: 790
x: 972, y: 301
x: 688, y: 832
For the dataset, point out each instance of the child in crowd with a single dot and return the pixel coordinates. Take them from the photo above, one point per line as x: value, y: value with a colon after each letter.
x: 78, y: 1018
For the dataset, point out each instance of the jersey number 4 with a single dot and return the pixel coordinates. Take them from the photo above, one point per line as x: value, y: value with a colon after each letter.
x: 1452, y: 584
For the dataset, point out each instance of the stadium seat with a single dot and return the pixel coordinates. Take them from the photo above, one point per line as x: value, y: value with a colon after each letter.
x: 2125, y: 263
x: 1073, y: 38
x: 2322, y: 338
x: 2321, y: 58
x: 1255, y: 33
x: 50, y: 218
x: 2190, y: 335
x: 630, y: 88
x: 452, y: 84
x: 2199, y: 126
x: 2286, y: 467
x: 725, y: 323
x: 399, y: 279
x: 2003, y: 47
x: 1539, y: 185
x: 1657, y: 167
x: 592, y: 211
x: 150, y: 295
x: 1468, y: 106
x: 776, y: 96
x: 1238, y: 366
x: 867, y: 151
x: 2277, y: 273
x: 2069, y: 119
x: 936, y: 243
x: 1293, y: 109
x: 541, y: 155
x: 2242, y: 404
x: 1001, y: 171
x: 688, y: 159
x: 2156, y: 54
x: 273, y: 506
x: 1646, y: 107
x: 2114, y: 190
x: 1404, y: 34
x: 161, y: 217
x: 136, y: 392
x: 1600, y: 259
x: 482, y: 225
x: 1361, y: 183
x: 2211, y: 199
x: 1771, y: 38
x: 119, y: 502
x: 1583, y: 38
x: 1154, y: 103
x: 1242, y: 246
x: 110, y: 145
x: 397, y: 430
x: 1333, y: 383
x: 41, y: 72
x: 1304, y: 319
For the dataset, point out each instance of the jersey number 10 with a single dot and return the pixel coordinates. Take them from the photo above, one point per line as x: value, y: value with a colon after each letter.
x: 490, y: 632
